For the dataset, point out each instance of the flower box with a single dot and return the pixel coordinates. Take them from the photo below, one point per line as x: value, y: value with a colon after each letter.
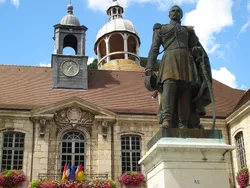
x: 71, y: 184
x: 132, y: 179
x: 12, y: 178
x: 243, y: 177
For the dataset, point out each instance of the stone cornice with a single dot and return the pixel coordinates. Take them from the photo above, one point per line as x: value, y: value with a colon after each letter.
x: 12, y: 113
x: 219, y: 122
x: 137, y: 118
x: 239, y: 113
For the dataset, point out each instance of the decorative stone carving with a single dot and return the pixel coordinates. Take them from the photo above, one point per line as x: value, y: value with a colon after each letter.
x: 105, y: 124
x: 42, y: 123
x: 104, y: 128
x: 73, y: 117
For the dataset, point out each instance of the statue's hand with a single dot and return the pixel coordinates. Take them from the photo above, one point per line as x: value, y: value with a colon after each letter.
x: 197, y: 51
x: 149, y: 72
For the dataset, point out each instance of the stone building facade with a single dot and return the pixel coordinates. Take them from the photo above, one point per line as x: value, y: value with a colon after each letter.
x: 48, y: 117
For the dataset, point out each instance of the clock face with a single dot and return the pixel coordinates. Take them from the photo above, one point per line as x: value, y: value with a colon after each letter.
x: 70, y: 68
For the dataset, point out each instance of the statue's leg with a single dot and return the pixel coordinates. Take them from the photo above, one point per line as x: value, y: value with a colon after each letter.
x: 184, y: 106
x: 175, y: 119
x: 168, y: 102
x: 194, y: 118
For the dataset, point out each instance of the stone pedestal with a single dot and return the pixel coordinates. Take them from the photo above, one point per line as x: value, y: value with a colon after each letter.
x: 187, y: 163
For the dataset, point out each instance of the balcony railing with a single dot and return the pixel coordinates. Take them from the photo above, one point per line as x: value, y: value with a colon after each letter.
x: 59, y: 176
x: 131, y: 56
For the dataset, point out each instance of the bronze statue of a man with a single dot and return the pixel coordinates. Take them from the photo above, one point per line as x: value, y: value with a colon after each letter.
x: 179, y: 75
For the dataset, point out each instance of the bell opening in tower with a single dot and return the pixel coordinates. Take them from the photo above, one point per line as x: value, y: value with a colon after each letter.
x: 69, y: 44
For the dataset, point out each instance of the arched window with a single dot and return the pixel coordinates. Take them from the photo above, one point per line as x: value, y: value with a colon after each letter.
x: 12, y: 151
x: 240, y: 149
x: 131, y: 153
x: 116, y: 44
x: 72, y: 149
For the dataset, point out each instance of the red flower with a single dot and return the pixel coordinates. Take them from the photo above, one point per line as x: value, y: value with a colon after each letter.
x: 132, y: 178
x: 243, y: 177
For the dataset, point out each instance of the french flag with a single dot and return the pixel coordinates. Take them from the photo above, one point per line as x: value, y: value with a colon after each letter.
x: 68, y: 172
x: 76, y: 172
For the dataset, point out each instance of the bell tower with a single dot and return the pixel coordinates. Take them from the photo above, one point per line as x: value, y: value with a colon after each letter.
x: 69, y: 71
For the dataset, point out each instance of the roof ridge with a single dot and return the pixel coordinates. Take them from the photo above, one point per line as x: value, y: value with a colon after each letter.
x: 229, y: 86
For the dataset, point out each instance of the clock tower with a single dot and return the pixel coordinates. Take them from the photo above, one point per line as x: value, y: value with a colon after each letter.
x: 69, y: 71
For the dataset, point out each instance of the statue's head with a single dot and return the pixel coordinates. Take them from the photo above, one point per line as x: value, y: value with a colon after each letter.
x: 175, y: 13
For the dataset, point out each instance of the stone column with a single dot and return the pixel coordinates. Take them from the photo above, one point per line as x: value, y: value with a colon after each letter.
x: 125, y: 41
x: 137, y: 51
x: 107, y: 48
x: 105, y: 147
x: 40, y: 161
x: 98, y: 52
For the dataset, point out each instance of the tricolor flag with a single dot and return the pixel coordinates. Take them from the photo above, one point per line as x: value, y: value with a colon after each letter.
x: 80, y: 173
x: 68, y: 172
x: 76, y: 172
x: 64, y: 172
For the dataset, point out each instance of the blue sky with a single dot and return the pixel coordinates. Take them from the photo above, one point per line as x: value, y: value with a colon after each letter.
x: 222, y: 26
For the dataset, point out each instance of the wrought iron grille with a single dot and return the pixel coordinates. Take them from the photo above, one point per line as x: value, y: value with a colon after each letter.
x: 131, y: 153
x: 59, y: 176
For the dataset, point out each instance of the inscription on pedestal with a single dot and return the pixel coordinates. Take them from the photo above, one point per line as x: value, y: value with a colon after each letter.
x: 197, y: 182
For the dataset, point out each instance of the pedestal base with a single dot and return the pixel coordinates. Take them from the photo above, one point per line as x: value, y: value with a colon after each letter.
x: 187, y: 163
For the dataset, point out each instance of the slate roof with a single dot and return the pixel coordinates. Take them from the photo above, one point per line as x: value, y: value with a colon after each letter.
x: 26, y: 87
x: 245, y: 98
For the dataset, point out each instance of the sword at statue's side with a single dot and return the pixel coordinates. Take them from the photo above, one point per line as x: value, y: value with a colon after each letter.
x: 206, y: 84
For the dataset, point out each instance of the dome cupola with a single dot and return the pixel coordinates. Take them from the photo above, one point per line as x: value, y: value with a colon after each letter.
x: 117, y: 39
x: 70, y: 18
x: 115, y: 10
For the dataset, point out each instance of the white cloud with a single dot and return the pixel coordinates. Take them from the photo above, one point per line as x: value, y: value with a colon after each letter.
x: 44, y: 64
x: 162, y: 4
x: 209, y: 18
x: 225, y: 76
x: 243, y: 29
x: 243, y: 87
x: 90, y: 60
x: 16, y: 3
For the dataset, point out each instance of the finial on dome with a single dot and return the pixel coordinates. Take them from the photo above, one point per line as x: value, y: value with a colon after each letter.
x: 115, y: 10
x: 70, y: 8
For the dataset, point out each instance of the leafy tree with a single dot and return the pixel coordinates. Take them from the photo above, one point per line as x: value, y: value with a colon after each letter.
x: 93, y: 65
x: 143, y: 63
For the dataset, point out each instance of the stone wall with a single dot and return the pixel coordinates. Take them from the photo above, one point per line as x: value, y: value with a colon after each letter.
x: 25, y: 126
x: 240, y: 124
x: 143, y: 126
x: 41, y: 148
x: 103, y: 154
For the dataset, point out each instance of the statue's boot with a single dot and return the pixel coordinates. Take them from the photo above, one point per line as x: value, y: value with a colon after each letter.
x: 183, y: 124
x: 167, y: 120
x: 199, y: 126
